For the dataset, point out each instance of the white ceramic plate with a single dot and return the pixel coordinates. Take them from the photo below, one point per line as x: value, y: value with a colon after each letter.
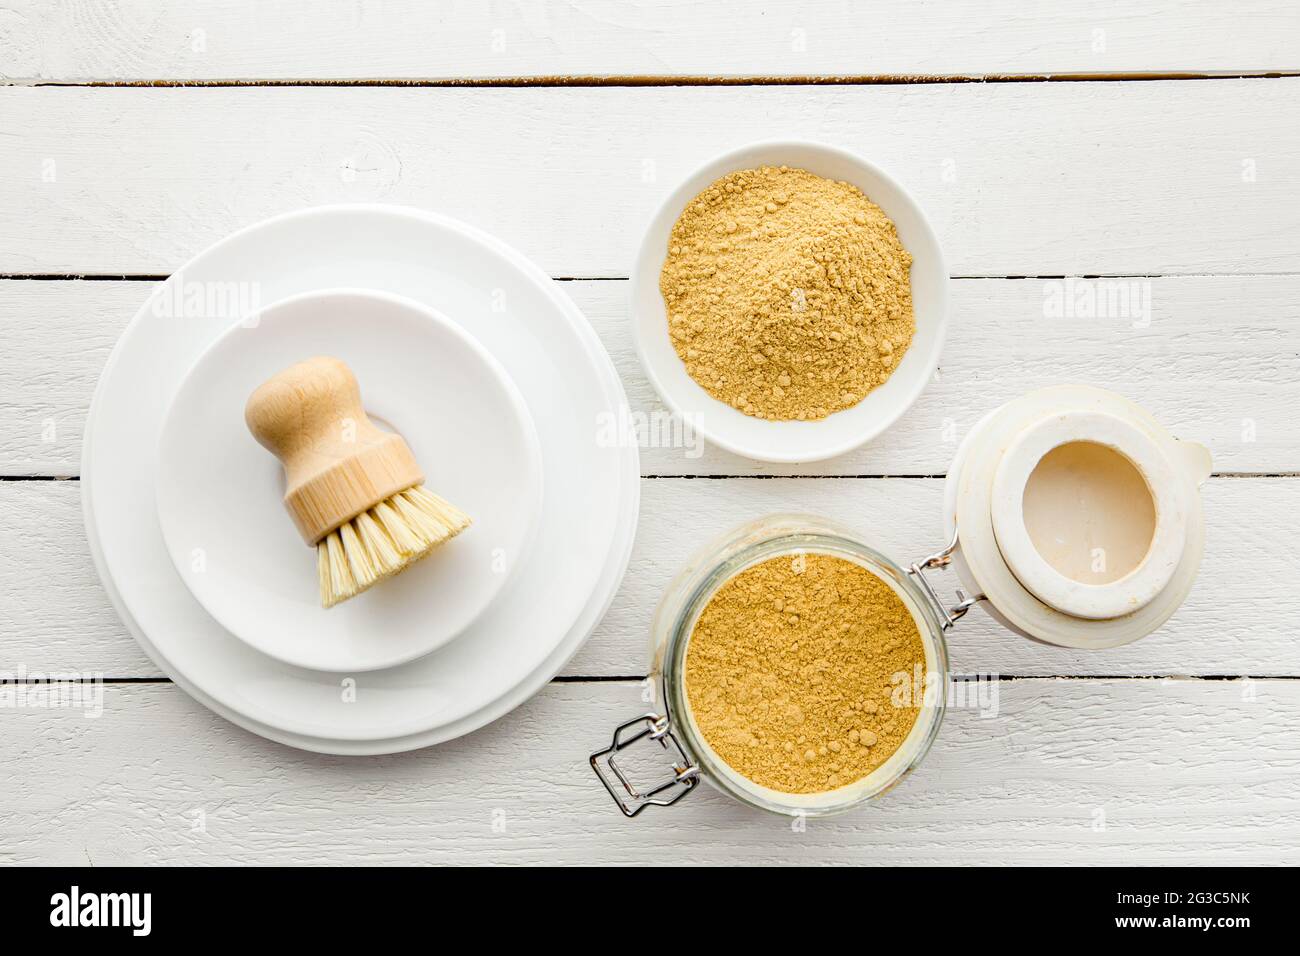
x: 220, y: 493
x: 585, y: 528
x: 794, y: 441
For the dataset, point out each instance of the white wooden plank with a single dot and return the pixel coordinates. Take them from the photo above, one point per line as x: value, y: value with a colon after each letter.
x: 1218, y: 360
x: 117, y: 40
x: 1068, y: 772
x: 1114, y: 178
x: 57, y: 337
x: 55, y: 617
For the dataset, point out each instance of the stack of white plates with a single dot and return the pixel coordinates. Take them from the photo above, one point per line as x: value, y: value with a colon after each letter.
x: 509, y: 403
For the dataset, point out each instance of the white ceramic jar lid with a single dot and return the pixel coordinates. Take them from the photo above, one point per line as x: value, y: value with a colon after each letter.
x: 1124, y: 442
x: 999, y: 557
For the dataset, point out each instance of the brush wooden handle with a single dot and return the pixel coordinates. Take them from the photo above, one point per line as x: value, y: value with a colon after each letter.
x: 337, y: 464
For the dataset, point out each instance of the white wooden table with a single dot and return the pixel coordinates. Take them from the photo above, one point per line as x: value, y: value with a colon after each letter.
x: 1166, y: 147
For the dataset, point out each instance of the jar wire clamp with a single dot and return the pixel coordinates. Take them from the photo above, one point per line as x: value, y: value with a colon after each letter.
x: 631, y: 800
x: 941, y: 560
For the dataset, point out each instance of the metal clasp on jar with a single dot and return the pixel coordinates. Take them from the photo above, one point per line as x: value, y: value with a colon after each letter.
x: 631, y: 800
x: 941, y: 560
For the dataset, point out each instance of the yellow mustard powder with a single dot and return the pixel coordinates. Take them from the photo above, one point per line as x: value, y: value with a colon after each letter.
x: 790, y: 672
x: 789, y: 296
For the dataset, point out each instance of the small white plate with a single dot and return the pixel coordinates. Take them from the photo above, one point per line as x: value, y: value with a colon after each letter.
x: 220, y: 494
x: 794, y: 441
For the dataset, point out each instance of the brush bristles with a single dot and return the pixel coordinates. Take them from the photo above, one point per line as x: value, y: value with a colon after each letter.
x: 379, y: 543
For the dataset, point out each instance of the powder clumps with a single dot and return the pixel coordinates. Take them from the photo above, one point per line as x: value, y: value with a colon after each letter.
x: 789, y: 296
x: 790, y: 672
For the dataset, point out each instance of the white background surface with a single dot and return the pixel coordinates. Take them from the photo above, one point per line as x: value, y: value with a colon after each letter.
x: 166, y: 128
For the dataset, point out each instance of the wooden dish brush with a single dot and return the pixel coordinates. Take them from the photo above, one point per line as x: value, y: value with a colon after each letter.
x: 355, y: 492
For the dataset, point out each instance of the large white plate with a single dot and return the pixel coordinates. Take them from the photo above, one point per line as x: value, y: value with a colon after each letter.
x: 590, y: 497
x: 220, y: 493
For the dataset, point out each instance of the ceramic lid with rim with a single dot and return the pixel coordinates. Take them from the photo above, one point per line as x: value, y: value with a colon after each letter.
x: 984, y: 497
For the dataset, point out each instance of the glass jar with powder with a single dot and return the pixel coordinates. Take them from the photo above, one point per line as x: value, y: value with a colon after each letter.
x: 805, y: 673
x: 816, y: 728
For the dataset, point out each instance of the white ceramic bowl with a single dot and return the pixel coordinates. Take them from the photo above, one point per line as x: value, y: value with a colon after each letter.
x: 219, y: 493
x: 794, y: 441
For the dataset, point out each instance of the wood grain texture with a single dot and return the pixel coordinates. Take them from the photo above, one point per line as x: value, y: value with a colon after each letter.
x: 1067, y: 772
x: 1143, y: 178
x: 1218, y: 361
x: 127, y: 40
x: 55, y: 617
x: 329, y: 478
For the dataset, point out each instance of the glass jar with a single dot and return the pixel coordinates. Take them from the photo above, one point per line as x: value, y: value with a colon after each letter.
x: 676, y: 730
x: 987, y: 494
